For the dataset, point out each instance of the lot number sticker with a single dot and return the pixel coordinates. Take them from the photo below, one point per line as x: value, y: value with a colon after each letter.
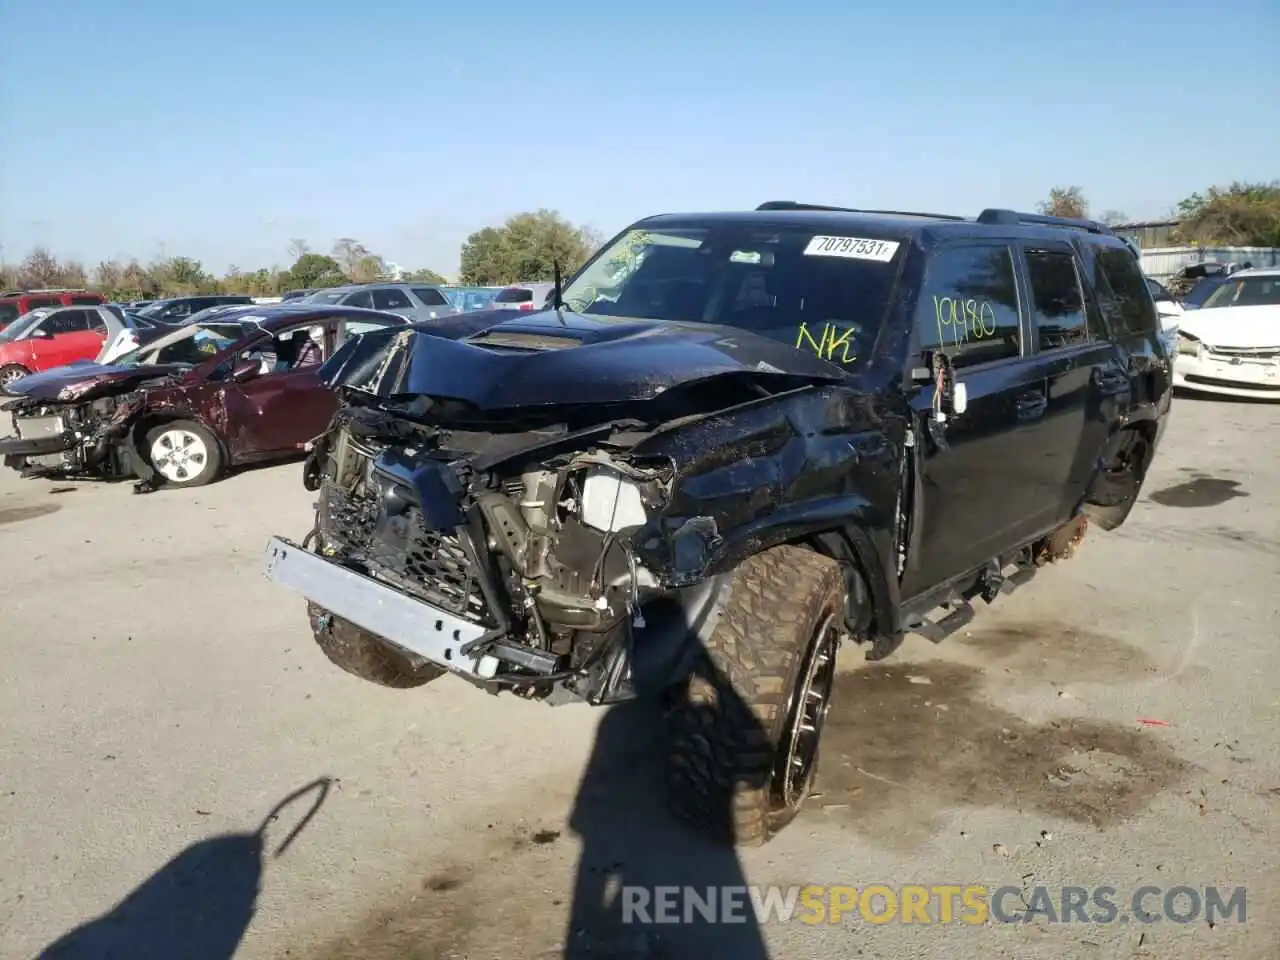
x: 852, y: 248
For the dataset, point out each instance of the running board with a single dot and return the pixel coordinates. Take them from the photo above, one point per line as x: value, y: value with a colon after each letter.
x: 959, y: 617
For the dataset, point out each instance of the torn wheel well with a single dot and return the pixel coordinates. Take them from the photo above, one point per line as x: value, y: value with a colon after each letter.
x: 865, y: 604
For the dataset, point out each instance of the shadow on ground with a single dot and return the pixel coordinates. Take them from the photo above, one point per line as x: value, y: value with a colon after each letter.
x: 196, y: 907
x: 509, y: 898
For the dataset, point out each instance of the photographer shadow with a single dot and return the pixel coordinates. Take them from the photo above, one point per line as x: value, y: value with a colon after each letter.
x: 633, y: 847
x: 196, y: 907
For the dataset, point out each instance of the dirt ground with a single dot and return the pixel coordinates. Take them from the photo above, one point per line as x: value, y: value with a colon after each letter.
x: 160, y: 698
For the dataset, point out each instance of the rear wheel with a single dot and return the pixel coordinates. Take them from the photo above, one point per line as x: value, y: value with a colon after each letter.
x: 1117, y: 484
x: 743, y: 733
x: 364, y: 655
x: 10, y: 373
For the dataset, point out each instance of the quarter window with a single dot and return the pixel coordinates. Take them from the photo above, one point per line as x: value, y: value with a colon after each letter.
x: 1057, y: 300
x: 968, y: 306
x: 360, y: 299
x: 430, y: 297
x: 1124, y: 294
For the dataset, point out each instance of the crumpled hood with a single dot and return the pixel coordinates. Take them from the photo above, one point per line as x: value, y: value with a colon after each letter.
x: 1245, y: 327
x: 76, y: 380
x: 537, y: 359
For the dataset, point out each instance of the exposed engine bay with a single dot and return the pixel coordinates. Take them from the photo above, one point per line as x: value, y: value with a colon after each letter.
x: 72, y: 439
x: 539, y: 549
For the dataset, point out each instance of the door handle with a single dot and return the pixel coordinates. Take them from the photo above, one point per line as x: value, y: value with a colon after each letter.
x: 1031, y: 404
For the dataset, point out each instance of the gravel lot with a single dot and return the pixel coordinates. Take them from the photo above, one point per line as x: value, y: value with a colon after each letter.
x: 160, y: 697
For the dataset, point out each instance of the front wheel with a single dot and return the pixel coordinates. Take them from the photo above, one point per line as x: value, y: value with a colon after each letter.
x: 743, y: 733
x: 184, y: 453
x: 11, y: 373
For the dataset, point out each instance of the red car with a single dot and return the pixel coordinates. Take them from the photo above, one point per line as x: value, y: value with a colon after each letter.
x: 239, y: 389
x: 14, y: 303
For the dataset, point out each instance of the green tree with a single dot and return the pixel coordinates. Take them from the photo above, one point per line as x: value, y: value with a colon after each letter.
x: 525, y: 249
x: 425, y: 276
x: 369, y: 267
x: 1240, y: 215
x: 1065, y: 202
x: 313, y: 270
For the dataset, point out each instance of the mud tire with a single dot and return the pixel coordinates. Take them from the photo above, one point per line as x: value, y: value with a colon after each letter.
x: 364, y: 655
x: 724, y: 746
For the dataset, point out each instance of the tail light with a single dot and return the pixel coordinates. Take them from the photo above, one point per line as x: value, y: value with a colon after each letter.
x: 526, y: 306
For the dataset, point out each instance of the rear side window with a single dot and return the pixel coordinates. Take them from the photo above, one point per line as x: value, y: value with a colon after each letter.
x: 86, y: 298
x: 1057, y: 300
x: 430, y: 296
x: 514, y: 295
x: 968, y: 306
x: 96, y: 323
x: 66, y: 321
x: 35, y: 302
x: 1125, y: 294
x: 360, y: 298
x: 9, y: 312
x: 391, y: 300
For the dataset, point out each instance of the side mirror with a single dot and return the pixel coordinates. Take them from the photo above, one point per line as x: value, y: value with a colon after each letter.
x: 245, y: 370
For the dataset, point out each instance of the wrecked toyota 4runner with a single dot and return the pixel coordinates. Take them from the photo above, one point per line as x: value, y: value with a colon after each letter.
x: 729, y: 443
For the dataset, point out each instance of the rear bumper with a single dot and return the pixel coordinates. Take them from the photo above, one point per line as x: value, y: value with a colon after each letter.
x: 419, y: 628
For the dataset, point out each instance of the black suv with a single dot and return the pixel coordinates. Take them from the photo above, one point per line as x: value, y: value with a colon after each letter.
x: 731, y: 441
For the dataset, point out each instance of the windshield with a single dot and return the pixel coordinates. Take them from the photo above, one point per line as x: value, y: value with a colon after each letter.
x: 1246, y: 292
x: 822, y: 294
x: 23, y: 325
x: 189, y: 345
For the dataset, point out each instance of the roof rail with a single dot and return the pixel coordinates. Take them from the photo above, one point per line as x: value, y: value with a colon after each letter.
x: 793, y: 205
x: 995, y: 215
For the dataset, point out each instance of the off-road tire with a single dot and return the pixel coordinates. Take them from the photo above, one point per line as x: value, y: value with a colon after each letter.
x: 364, y: 655
x: 723, y: 745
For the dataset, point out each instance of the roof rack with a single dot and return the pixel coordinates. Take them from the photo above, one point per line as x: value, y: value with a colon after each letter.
x: 793, y: 205
x: 995, y: 215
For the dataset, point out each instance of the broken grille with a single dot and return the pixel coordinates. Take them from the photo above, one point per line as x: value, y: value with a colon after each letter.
x: 430, y: 565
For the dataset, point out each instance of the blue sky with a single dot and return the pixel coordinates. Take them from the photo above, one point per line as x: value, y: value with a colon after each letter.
x: 222, y: 130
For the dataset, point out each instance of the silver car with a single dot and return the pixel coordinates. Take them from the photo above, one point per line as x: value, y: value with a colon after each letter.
x: 415, y: 302
x: 523, y: 296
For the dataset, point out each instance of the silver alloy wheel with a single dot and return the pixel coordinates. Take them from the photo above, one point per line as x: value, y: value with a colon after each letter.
x: 10, y: 376
x: 179, y: 455
x: 807, y: 712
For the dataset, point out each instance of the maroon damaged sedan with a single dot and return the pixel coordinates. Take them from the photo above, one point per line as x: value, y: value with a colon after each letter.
x: 180, y: 410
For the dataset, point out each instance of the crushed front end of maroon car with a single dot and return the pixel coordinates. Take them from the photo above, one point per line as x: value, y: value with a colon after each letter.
x: 77, y: 421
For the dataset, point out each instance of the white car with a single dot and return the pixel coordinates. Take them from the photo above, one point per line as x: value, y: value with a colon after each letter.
x: 1169, y: 309
x: 1231, y: 345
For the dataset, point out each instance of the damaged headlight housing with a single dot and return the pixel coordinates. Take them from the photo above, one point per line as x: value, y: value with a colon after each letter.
x: 610, y: 502
x: 1189, y: 345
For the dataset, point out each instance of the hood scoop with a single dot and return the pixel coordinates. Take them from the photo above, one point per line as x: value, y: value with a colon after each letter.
x: 524, y: 341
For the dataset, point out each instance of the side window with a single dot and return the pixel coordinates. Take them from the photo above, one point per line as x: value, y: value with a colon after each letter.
x: 35, y: 302
x: 86, y: 298
x: 391, y: 300
x: 430, y: 296
x: 360, y: 299
x: 968, y: 306
x: 1125, y: 293
x: 96, y: 322
x: 1056, y: 299
x: 66, y: 321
